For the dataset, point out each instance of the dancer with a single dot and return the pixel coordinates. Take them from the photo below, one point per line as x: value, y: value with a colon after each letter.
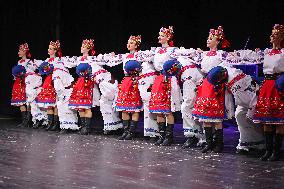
x: 191, y: 77
x: 128, y: 99
x: 81, y: 98
x: 46, y: 99
x: 213, y: 103
x: 19, y: 97
x: 244, y: 88
x: 269, y: 109
x: 165, y: 101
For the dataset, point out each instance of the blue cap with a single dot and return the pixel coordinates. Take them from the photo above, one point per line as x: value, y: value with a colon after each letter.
x: 132, y: 67
x: 18, y: 70
x: 171, y: 67
x: 84, y: 70
x: 45, y: 68
x: 217, y: 75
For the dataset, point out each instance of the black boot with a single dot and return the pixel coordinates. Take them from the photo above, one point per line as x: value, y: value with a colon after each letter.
x: 37, y: 124
x: 64, y: 131
x: 126, y: 128
x: 209, y: 140
x: 50, y: 121
x: 153, y: 140
x: 190, y: 142
x: 56, y: 124
x: 277, y: 148
x: 131, y: 133
x: 86, y: 124
x: 23, y: 118
x: 28, y: 119
x: 169, y: 137
x: 82, y: 123
x: 269, y: 145
x: 162, y: 132
x: 219, y: 143
x: 42, y: 126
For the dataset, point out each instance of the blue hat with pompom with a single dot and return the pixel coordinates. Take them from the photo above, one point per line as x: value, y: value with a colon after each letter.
x: 132, y: 67
x: 217, y: 75
x: 84, y: 70
x: 18, y: 71
x: 45, y: 68
x: 171, y: 67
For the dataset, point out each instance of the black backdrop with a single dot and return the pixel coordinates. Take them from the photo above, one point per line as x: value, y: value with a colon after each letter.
x: 111, y: 22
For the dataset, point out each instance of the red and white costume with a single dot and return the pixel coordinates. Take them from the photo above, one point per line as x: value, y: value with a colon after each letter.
x: 210, y: 106
x: 82, y: 94
x: 190, y: 77
x: 62, y: 80
x: 33, y: 81
x: 128, y: 97
x: 47, y: 95
x: 56, y: 91
x: 165, y: 95
x: 270, y: 104
x: 108, y: 90
x: 244, y: 91
x: 146, y: 79
x: 19, y: 87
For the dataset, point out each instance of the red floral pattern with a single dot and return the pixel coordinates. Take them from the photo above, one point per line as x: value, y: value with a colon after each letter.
x: 128, y: 98
x: 47, y: 94
x: 18, y: 92
x: 82, y: 94
x: 160, y: 101
x: 270, y: 104
x: 209, y: 104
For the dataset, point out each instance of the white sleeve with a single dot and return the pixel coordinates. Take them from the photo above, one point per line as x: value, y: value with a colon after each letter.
x: 183, y: 52
x: 38, y: 62
x: 145, y: 56
x: 70, y: 62
x: 224, y: 55
x: 110, y: 60
x: 199, y: 56
x: 31, y: 65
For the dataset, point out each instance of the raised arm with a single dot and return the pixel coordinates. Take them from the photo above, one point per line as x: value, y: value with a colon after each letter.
x: 109, y: 59
x: 182, y: 52
x: 69, y: 62
x: 145, y: 56
x: 37, y: 63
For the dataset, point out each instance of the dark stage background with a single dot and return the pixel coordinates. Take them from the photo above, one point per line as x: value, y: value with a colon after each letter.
x: 111, y: 22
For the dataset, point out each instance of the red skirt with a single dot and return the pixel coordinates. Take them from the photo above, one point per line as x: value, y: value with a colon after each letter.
x: 209, y: 104
x: 47, y: 96
x: 160, y: 100
x: 270, y: 104
x: 128, y: 98
x: 82, y: 94
x: 19, y: 92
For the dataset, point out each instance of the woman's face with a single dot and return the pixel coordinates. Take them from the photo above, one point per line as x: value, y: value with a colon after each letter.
x: 274, y: 38
x: 51, y: 50
x: 163, y: 39
x: 212, y: 42
x: 131, y: 45
x: 21, y: 53
x: 84, y: 49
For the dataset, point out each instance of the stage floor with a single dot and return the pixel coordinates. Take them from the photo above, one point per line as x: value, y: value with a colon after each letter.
x: 38, y: 159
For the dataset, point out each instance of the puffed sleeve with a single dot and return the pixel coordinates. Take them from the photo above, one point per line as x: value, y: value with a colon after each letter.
x: 145, y: 56
x: 110, y: 59
x: 69, y: 62
x: 182, y: 52
x: 37, y: 63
